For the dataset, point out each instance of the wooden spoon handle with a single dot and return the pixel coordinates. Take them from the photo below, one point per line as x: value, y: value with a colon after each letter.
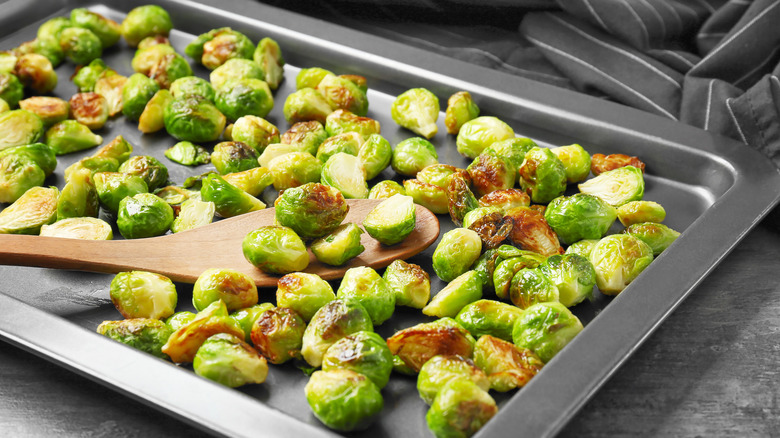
x: 60, y: 253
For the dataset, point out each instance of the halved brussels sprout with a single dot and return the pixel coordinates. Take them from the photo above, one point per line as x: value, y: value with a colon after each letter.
x: 278, y: 334
x: 136, y: 93
x: 333, y: 321
x: 179, y: 320
x: 417, y: 110
x: 112, y: 187
x: 80, y: 45
x: 78, y: 197
x: 311, y: 210
x: 542, y: 175
x: 601, y: 163
x: 513, y: 149
x: 154, y: 173
x: 438, y: 174
x: 506, y: 365
x: 310, y: 77
x: 245, y: 97
x: 657, y: 236
x: 341, y: 121
x: 505, y: 199
x: 228, y: 360
x: 275, y: 249
x: 530, y: 231
x: 583, y: 247
x: 48, y: 47
x: 39, y: 153
x: 460, y: 199
x: 412, y: 155
x: 365, y: 286
x: 192, y: 86
x: 188, y: 154
x: 193, y: 214
x: 35, y: 208
x: 489, y: 317
x: 87, y: 76
x: 70, y: 136
x: 576, y: 160
x: 18, y: 174
x: 234, y: 156
x: 174, y: 195
x: 232, y: 70
x: 618, y: 259
x: 480, y: 212
x: 344, y: 400
x: 340, y: 246
x: 236, y: 289
x: 143, y: 215
x: 460, y: 409
x: 364, y: 352
x: 141, y: 294
x: 307, y: 136
x: 84, y: 228
x: 580, y: 216
x: 118, y: 149
x: 545, y: 328
x: 4, y: 107
x: 152, y: 118
x: 8, y: 61
x: 20, y: 127
x: 247, y: 317
x: 418, y: 344
x: 53, y: 27
x: 161, y: 64
x: 193, y: 118
x: 430, y: 196
x: 89, y: 109
x: 345, y: 173
x: 461, y: 291
x: 106, y: 29
x: 531, y: 286
x: 508, y: 266
x: 440, y: 370
x: 252, y: 181
x: 490, y: 172
x: 341, y: 93
x: 228, y: 200
x: 392, y: 221
x: 145, y: 21
x: 485, y: 266
x: 275, y: 150
x: 294, y: 169
x: 616, y: 187
x: 306, y: 104
x: 410, y: 282
x: 636, y: 212
x: 348, y: 143
x: 145, y: 334
x: 110, y: 86
x: 477, y: 134
x: 36, y: 73
x: 220, y: 45
x: 304, y: 293
x: 375, y: 155
x: 255, y: 131
x: 11, y: 90
x: 268, y: 56
x: 386, y: 189
x: 455, y: 253
x: 184, y: 343
x: 460, y: 109
x: 573, y: 275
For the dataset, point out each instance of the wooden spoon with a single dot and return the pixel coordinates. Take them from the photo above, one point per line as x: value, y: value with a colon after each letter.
x: 184, y: 256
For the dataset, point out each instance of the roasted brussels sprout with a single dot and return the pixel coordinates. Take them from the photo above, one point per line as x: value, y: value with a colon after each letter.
x: 578, y: 217
x: 310, y: 77
x: 345, y: 173
x: 545, y: 328
x: 179, y: 320
x: 344, y: 400
x: 437, y: 174
x: 192, y: 86
x: 363, y: 352
x: 417, y: 110
x: 161, y: 64
x: 234, y: 156
x: 412, y: 155
x: 89, y: 109
x: 583, y: 247
x: 110, y: 86
x: 386, y: 189
x: 217, y: 46
x: 616, y: 187
x: 304, y: 293
x: 348, y: 143
x: 392, y: 220
x: 275, y: 150
x: 531, y: 232
x: 17, y: 175
x: 306, y: 104
x: 78, y: 197
x: 460, y: 109
x: 636, y: 212
x: 542, y: 175
x: 4, y: 107
x: 143, y: 215
x: 69, y: 136
x: 430, y: 196
x: 311, y: 210
x: 410, y: 282
x: 456, y: 252
x: 80, y: 45
x: 417, y: 344
x: 11, y: 90
x: 341, y: 93
x: 477, y: 134
x: 35, y: 208
x: 107, y: 30
x: 112, y: 187
x: 53, y: 27
x: 275, y: 249
x: 84, y: 228
x: 245, y: 97
x: 340, y: 246
x: 252, y: 181
x: 618, y: 259
x: 307, y: 136
x: 506, y: 365
x: 154, y: 173
x: 193, y: 118
x: 255, y: 132
x: 531, y: 286
x: 193, y: 213
x: 460, y: 409
x: 461, y: 291
x: 236, y: 289
x: 136, y: 93
x: 145, y: 21
x: 480, y: 212
x: 601, y: 163
x: 145, y: 334
x: 341, y: 121
x: 488, y: 317
x: 294, y: 169
x: 365, y: 286
x: 141, y: 294
x: 440, y: 370
x: 460, y: 199
x: 35, y: 72
x: 188, y: 154
x: 47, y: 47
x: 184, y: 343
x: 508, y: 266
x: 333, y: 321
x: 576, y: 160
x: 513, y: 149
x: 247, y: 317
x: 278, y: 334
x: 174, y: 195
x: 485, y: 266
x: 232, y: 70
x: 490, y: 172
x: 505, y: 199
x: 228, y: 200
x: 87, y: 76
x: 19, y: 127
x: 375, y: 155
x: 656, y: 236
x: 40, y: 154
x: 228, y: 360
x: 152, y: 118
x: 573, y: 275
x: 268, y: 56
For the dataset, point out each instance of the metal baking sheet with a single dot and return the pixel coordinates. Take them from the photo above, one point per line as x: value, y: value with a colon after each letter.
x: 714, y: 189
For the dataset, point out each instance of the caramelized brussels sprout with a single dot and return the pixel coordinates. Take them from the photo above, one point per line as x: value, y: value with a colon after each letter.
x: 657, y: 236
x: 278, y: 334
x: 340, y: 246
x: 40, y: 154
x: 252, y: 181
x: 193, y: 118
x: 87, y: 76
x: 545, y: 328
x: 601, y: 163
x: 310, y: 77
x: 11, y: 90
x: 232, y: 70
x: 236, y: 289
x: 440, y: 370
x: 508, y: 266
x: 245, y: 97
x: 341, y: 121
x: 141, y: 294
x: 154, y: 173
x: 152, y: 118
x: 19, y: 127
x: 143, y: 215
x: 228, y: 360
x: 438, y: 174
x: 531, y: 232
x: 184, y: 343
x: 192, y: 86
x: 505, y: 199
x: 460, y: 199
x: 583, y: 247
x: 17, y: 175
x: 308, y: 136
x: 460, y: 409
x: 161, y: 64
x: 344, y: 400
x: 490, y: 172
x: 636, y: 212
x: 294, y: 169
x: 247, y: 317
x: 311, y: 210
x: 476, y: 214
x: 193, y: 213
x: 36, y: 73
x: 460, y: 109
x: 47, y: 47
x: 112, y: 187
x: 392, y: 221
x: 78, y: 197
x: 174, y: 195
x: 365, y: 286
x: 386, y: 189
x: 417, y: 344
x: 542, y: 175
x: 179, y: 320
x: 477, y: 134
x: 228, y: 200
x: 84, y: 228
x: 573, y: 275
x: 430, y: 196
x: 89, y: 109
x: 506, y: 365
x: 485, y: 266
x: 616, y: 187
x: 136, y: 93
x: 188, y: 154
x: 412, y: 155
x: 348, y: 143
x: 618, y: 259
x: 456, y: 252
x: 304, y: 293
x: 417, y: 110
x: 233, y: 156
x: 306, y: 104
x: 53, y: 27
x: 513, y: 149
x: 275, y: 249
x: 268, y: 56
x: 580, y: 216
x: 531, y: 286
x: 364, y: 352
x: 275, y: 150
x: 68, y: 136
x: 35, y: 208
x: 410, y: 282
x: 576, y: 160
x: 153, y: 40
x: 255, y: 132
x: 488, y: 317
x: 145, y: 334
x: 80, y: 45
x: 110, y: 86
x: 375, y: 155
x: 145, y: 21
x: 220, y: 45
x: 461, y: 291
x: 107, y: 30
x: 345, y: 173
x: 341, y: 93
x: 333, y: 321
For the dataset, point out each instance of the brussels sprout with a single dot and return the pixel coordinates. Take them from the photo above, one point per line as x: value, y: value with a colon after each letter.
x: 80, y: 45
x: 228, y: 360
x: 461, y: 291
x: 386, y: 189
x: 89, y: 109
x: 363, y: 352
x: 35, y: 208
x: 232, y: 70
x: 306, y: 104
x: 576, y: 160
x: 417, y: 344
x: 573, y: 275
x: 657, y: 236
x: 460, y: 409
x: 268, y: 56
x: 17, y: 175
x: 307, y: 136
x: 542, y: 175
x: 412, y: 155
x: 601, y: 163
x: 118, y: 149
x: 247, y: 317
x: 234, y: 156
x: 112, y: 187
x: 392, y: 221
x: 545, y: 328
x: 275, y: 249
x: 136, y: 93
x: 531, y: 232
x: 506, y: 365
x: 485, y: 266
x: 341, y: 93
x: 192, y: 86
x: 344, y: 400
x: 11, y: 90
x: 184, y: 343
x: 252, y: 181
x: 39, y: 153
x: 580, y: 216
x: 87, y: 76
x: 417, y: 110
x: 228, y: 200
x: 311, y: 210
x: 193, y: 214
x: 236, y: 289
x: 152, y: 118
x: 304, y: 293
x: 310, y: 77
x: 19, y: 127
x: 440, y: 370
x: 48, y: 47
x: 107, y: 30
x: 583, y: 247
x: 456, y: 252
x: 4, y: 107
x: 348, y: 143
x: 490, y: 172
x: 8, y: 61
x: 531, y: 286
x: 245, y: 97
x: 161, y: 64
x: 141, y: 294
x: 488, y: 317
x: 618, y: 259
x: 341, y: 121
x: 636, y: 212
x: 437, y: 174
x: 174, y: 195
x: 507, y: 268
x: 153, y: 40
x: 193, y: 118
x: 188, y: 154
x: 490, y: 224
x: 411, y: 284
x: 460, y: 109
x: 276, y: 150
x: 143, y: 215
x: 477, y: 134
x: 616, y: 187
x: 110, y: 86
x: 179, y: 320
x: 78, y: 197
x: 375, y: 154
x: 255, y: 132
x: 36, y: 72
x: 513, y: 149
x: 278, y: 334
x: 154, y: 173
x: 340, y: 246
x: 460, y: 199
x: 84, y: 228
x: 294, y: 169
x: 363, y: 285
x: 430, y: 196
x: 345, y: 173
x: 474, y: 215
x: 333, y: 321
x: 219, y: 46
x: 505, y: 199
x: 53, y: 27
x: 145, y: 334
x: 145, y: 21
x: 70, y: 136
